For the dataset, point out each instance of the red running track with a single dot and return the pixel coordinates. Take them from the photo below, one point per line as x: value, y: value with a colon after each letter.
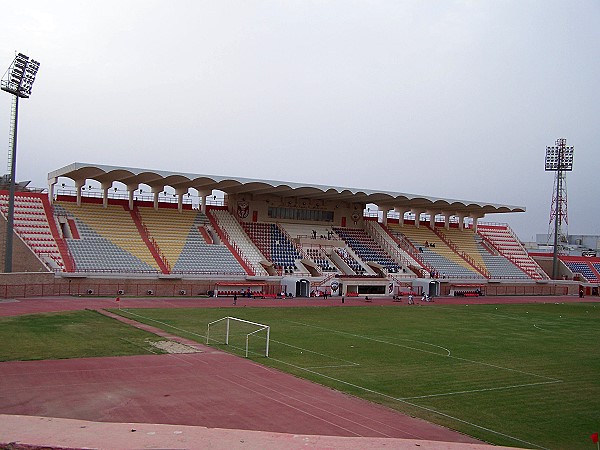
x: 209, y: 389
x: 55, y: 304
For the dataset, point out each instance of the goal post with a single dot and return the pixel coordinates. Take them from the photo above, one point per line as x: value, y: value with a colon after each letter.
x: 228, y: 319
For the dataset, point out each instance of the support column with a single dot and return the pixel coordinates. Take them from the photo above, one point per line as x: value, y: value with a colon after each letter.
x: 461, y: 221
x: 446, y: 219
x: 131, y: 188
x: 180, y: 193
x: 51, y: 183
x: 203, y: 195
x: 417, y: 214
x: 385, y: 212
x: 106, y: 185
x: 78, y: 185
x: 401, y: 212
x: 431, y: 219
x: 156, y: 190
x: 475, y: 218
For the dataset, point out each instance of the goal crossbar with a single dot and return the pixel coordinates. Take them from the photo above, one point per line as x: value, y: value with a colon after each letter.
x: 228, y: 319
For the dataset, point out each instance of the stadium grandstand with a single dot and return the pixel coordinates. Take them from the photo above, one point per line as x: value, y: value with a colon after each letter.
x: 106, y: 230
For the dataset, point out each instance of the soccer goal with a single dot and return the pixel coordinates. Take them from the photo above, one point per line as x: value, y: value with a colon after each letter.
x: 247, y: 330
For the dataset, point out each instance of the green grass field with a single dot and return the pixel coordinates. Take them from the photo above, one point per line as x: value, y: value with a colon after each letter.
x: 515, y: 375
x: 75, y: 334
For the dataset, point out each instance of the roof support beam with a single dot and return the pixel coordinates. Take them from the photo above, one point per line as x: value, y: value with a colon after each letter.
x: 203, y: 196
x: 417, y: 213
x: 51, y: 183
x: 106, y: 185
x: 131, y: 188
x: 78, y: 185
x: 401, y: 210
x: 180, y: 193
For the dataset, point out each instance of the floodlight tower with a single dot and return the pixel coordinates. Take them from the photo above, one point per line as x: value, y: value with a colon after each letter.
x: 18, y: 81
x: 559, y: 159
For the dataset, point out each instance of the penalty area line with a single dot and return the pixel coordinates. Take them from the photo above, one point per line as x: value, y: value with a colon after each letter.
x: 401, y: 400
x: 332, y: 366
x: 448, y: 355
x: 349, y: 363
x: 500, y: 388
x: 165, y: 324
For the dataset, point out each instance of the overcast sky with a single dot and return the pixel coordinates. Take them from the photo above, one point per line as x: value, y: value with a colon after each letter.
x: 455, y: 99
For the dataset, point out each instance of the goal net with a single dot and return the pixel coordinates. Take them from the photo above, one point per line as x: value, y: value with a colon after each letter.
x: 251, y: 337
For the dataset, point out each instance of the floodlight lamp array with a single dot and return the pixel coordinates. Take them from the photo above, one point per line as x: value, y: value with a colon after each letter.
x: 21, y: 75
x: 559, y: 158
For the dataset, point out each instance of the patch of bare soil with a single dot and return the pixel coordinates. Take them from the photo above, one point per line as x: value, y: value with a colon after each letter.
x: 173, y: 347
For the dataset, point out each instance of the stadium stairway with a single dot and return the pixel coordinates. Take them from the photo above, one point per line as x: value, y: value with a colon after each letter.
x: 409, y: 263
x: 68, y: 261
x: 316, y: 243
x: 348, y: 261
x: 159, y: 257
x: 169, y: 228
x: 367, y: 248
x: 320, y: 258
x: 407, y: 248
x: 233, y: 236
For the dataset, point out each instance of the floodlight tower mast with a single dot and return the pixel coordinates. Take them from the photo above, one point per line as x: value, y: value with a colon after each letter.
x: 17, y: 81
x: 559, y: 159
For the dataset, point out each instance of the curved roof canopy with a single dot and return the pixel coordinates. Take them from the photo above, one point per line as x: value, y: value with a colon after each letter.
x: 133, y: 177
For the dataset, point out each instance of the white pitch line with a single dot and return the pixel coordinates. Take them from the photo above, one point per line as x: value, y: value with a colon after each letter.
x: 333, y: 367
x: 427, y: 351
x: 483, y: 390
x: 371, y: 339
x: 165, y: 323
x: 350, y: 363
x: 401, y: 400
x: 433, y: 345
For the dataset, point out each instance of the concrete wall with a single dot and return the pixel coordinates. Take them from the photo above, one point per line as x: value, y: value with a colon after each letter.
x: 27, y: 284
x: 261, y: 205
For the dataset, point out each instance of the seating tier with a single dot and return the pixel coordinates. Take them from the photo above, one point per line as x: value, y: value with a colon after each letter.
x: 238, y: 238
x: 109, y: 239
x: 273, y: 243
x: 31, y: 224
x: 435, y: 252
x: 367, y: 248
x: 502, y: 239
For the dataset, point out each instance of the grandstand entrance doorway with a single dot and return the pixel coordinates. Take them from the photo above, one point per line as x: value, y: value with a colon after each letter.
x: 426, y: 286
x: 302, y: 288
x: 434, y: 289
